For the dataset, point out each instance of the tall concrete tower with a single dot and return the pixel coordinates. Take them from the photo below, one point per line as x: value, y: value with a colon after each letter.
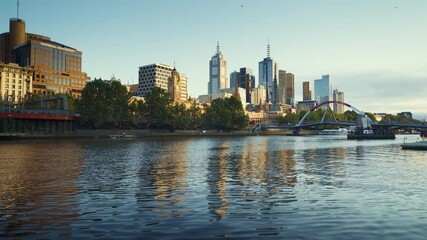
x: 17, y: 35
x: 217, y: 72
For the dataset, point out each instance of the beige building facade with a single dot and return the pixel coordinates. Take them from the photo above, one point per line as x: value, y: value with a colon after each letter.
x: 15, y: 82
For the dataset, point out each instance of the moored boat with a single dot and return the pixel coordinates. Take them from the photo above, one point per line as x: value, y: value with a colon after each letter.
x: 369, y: 134
x: 339, y: 131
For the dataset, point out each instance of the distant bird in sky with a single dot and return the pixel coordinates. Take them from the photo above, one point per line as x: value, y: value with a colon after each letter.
x: 241, y: 5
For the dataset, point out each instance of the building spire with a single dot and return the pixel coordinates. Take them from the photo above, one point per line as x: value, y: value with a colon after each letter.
x: 217, y: 48
x: 17, y: 9
x: 268, y: 48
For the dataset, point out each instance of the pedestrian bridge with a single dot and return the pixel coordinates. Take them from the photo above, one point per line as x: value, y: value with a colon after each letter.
x: 362, y: 121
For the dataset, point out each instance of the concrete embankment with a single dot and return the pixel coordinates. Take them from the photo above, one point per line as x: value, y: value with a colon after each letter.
x: 151, y: 133
x: 422, y: 145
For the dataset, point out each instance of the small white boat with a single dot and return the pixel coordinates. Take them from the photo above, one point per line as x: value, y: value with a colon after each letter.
x: 339, y: 131
x: 119, y: 136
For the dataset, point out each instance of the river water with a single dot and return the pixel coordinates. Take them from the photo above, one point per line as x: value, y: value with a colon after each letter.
x: 276, y: 187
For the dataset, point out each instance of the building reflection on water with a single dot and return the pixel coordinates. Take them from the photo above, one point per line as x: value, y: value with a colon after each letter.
x: 261, y: 177
x: 218, y: 202
x: 38, y: 188
x: 164, y: 180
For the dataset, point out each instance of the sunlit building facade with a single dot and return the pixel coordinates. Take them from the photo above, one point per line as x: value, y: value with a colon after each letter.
x: 57, y: 68
x: 338, y: 96
x: 15, y: 82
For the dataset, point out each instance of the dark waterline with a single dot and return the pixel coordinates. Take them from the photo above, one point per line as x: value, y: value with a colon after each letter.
x: 199, y: 188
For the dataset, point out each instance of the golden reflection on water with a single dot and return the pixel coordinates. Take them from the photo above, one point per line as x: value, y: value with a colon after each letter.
x: 170, y: 171
x: 217, y: 180
x: 38, y: 186
x: 250, y: 172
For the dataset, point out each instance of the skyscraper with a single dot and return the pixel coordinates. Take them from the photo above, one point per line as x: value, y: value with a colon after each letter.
x: 247, y: 81
x: 338, y: 96
x: 234, y: 77
x: 281, y: 87
x: 217, y: 72
x: 268, y: 77
x: 322, y: 89
x: 306, y: 92
x: 290, y: 88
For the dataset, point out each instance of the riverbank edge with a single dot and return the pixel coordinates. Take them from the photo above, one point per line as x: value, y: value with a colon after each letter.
x: 150, y: 133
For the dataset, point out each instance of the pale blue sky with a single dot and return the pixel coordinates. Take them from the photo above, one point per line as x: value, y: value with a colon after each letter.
x: 374, y: 51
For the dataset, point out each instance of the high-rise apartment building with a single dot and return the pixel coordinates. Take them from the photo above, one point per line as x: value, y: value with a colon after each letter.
x: 338, y: 96
x: 290, y: 88
x: 15, y: 82
x: 268, y: 77
x: 217, y: 72
x: 322, y: 89
x: 306, y: 92
x: 56, y: 68
x: 157, y: 75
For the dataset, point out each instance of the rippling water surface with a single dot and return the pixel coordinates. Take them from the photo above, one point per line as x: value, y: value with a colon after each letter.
x: 199, y: 188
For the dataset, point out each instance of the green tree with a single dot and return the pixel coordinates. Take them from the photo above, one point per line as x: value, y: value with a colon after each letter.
x: 350, y: 115
x: 195, y: 115
x: 289, y: 118
x: 225, y: 114
x: 119, y: 101
x: 371, y: 116
x: 157, y: 108
x: 104, y: 104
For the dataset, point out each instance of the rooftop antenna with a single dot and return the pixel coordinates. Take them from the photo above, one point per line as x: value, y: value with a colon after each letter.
x: 174, y: 65
x: 17, y: 9
x: 217, y: 47
x: 268, y: 48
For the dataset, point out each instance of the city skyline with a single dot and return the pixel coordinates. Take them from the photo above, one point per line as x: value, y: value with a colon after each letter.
x: 372, y: 50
